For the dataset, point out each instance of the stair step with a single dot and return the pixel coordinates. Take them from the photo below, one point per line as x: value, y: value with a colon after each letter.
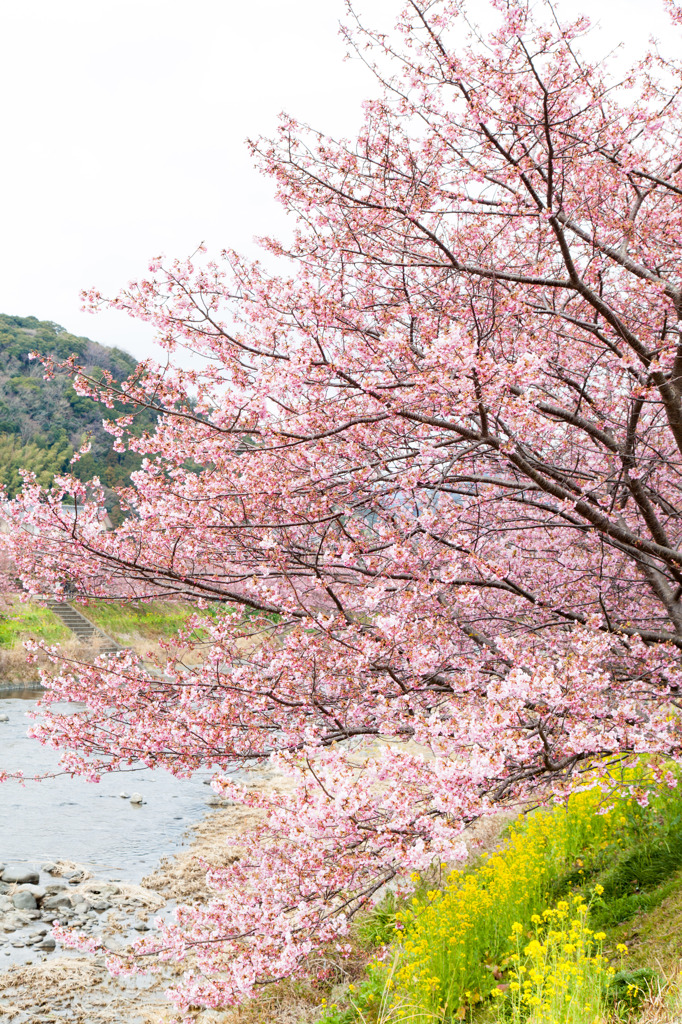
x: 82, y: 627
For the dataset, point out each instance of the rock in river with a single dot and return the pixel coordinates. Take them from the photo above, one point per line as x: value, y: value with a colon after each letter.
x: 100, y: 905
x: 36, y: 890
x: 21, y: 876
x: 57, y: 902
x: 24, y: 900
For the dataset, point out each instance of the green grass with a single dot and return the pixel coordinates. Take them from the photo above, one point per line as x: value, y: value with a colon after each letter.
x: 154, y: 620
x: 654, y: 937
x: 20, y: 622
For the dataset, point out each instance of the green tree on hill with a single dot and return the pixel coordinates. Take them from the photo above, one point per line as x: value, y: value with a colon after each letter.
x: 42, y: 422
x: 42, y: 459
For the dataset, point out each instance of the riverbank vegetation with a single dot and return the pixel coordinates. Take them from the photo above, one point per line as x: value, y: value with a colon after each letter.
x: 138, y: 625
x: 151, y: 620
x: 574, y: 919
x: 21, y: 621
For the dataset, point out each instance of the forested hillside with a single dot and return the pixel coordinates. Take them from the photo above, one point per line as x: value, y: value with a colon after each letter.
x: 43, y: 421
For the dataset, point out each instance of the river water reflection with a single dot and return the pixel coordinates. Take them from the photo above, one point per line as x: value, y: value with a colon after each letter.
x: 69, y: 818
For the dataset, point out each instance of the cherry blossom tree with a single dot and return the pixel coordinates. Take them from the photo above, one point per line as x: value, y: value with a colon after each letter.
x: 435, y: 460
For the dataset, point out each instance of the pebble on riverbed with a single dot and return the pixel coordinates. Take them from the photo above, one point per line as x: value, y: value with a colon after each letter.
x: 136, y: 798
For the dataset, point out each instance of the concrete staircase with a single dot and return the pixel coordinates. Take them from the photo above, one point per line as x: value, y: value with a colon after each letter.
x: 82, y: 628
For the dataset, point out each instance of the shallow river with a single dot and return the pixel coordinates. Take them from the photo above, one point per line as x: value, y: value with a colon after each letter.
x: 68, y: 818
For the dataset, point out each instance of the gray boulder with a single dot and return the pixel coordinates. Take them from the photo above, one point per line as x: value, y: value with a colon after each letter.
x: 24, y: 900
x: 55, y: 887
x: 100, y: 905
x: 74, y: 877
x: 21, y: 876
x: 48, y: 944
x: 36, y: 890
x: 57, y: 902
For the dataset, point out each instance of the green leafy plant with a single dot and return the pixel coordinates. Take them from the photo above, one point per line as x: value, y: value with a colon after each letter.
x: 627, y: 989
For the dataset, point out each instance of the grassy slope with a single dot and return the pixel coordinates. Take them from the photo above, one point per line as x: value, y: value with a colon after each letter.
x: 152, y: 621
x: 139, y: 626
x: 156, y: 620
x: 654, y: 940
x: 656, y: 937
x: 20, y: 622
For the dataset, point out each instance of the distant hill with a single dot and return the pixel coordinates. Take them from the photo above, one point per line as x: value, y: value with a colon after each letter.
x: 42, y: 421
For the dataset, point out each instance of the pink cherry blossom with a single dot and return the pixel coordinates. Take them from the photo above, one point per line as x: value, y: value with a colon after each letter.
x: 435, y: 460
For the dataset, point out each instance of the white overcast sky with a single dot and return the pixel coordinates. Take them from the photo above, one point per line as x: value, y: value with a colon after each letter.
x: 123, y: 128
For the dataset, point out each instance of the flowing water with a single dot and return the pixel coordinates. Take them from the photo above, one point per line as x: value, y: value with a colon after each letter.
x: 69, y: 818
